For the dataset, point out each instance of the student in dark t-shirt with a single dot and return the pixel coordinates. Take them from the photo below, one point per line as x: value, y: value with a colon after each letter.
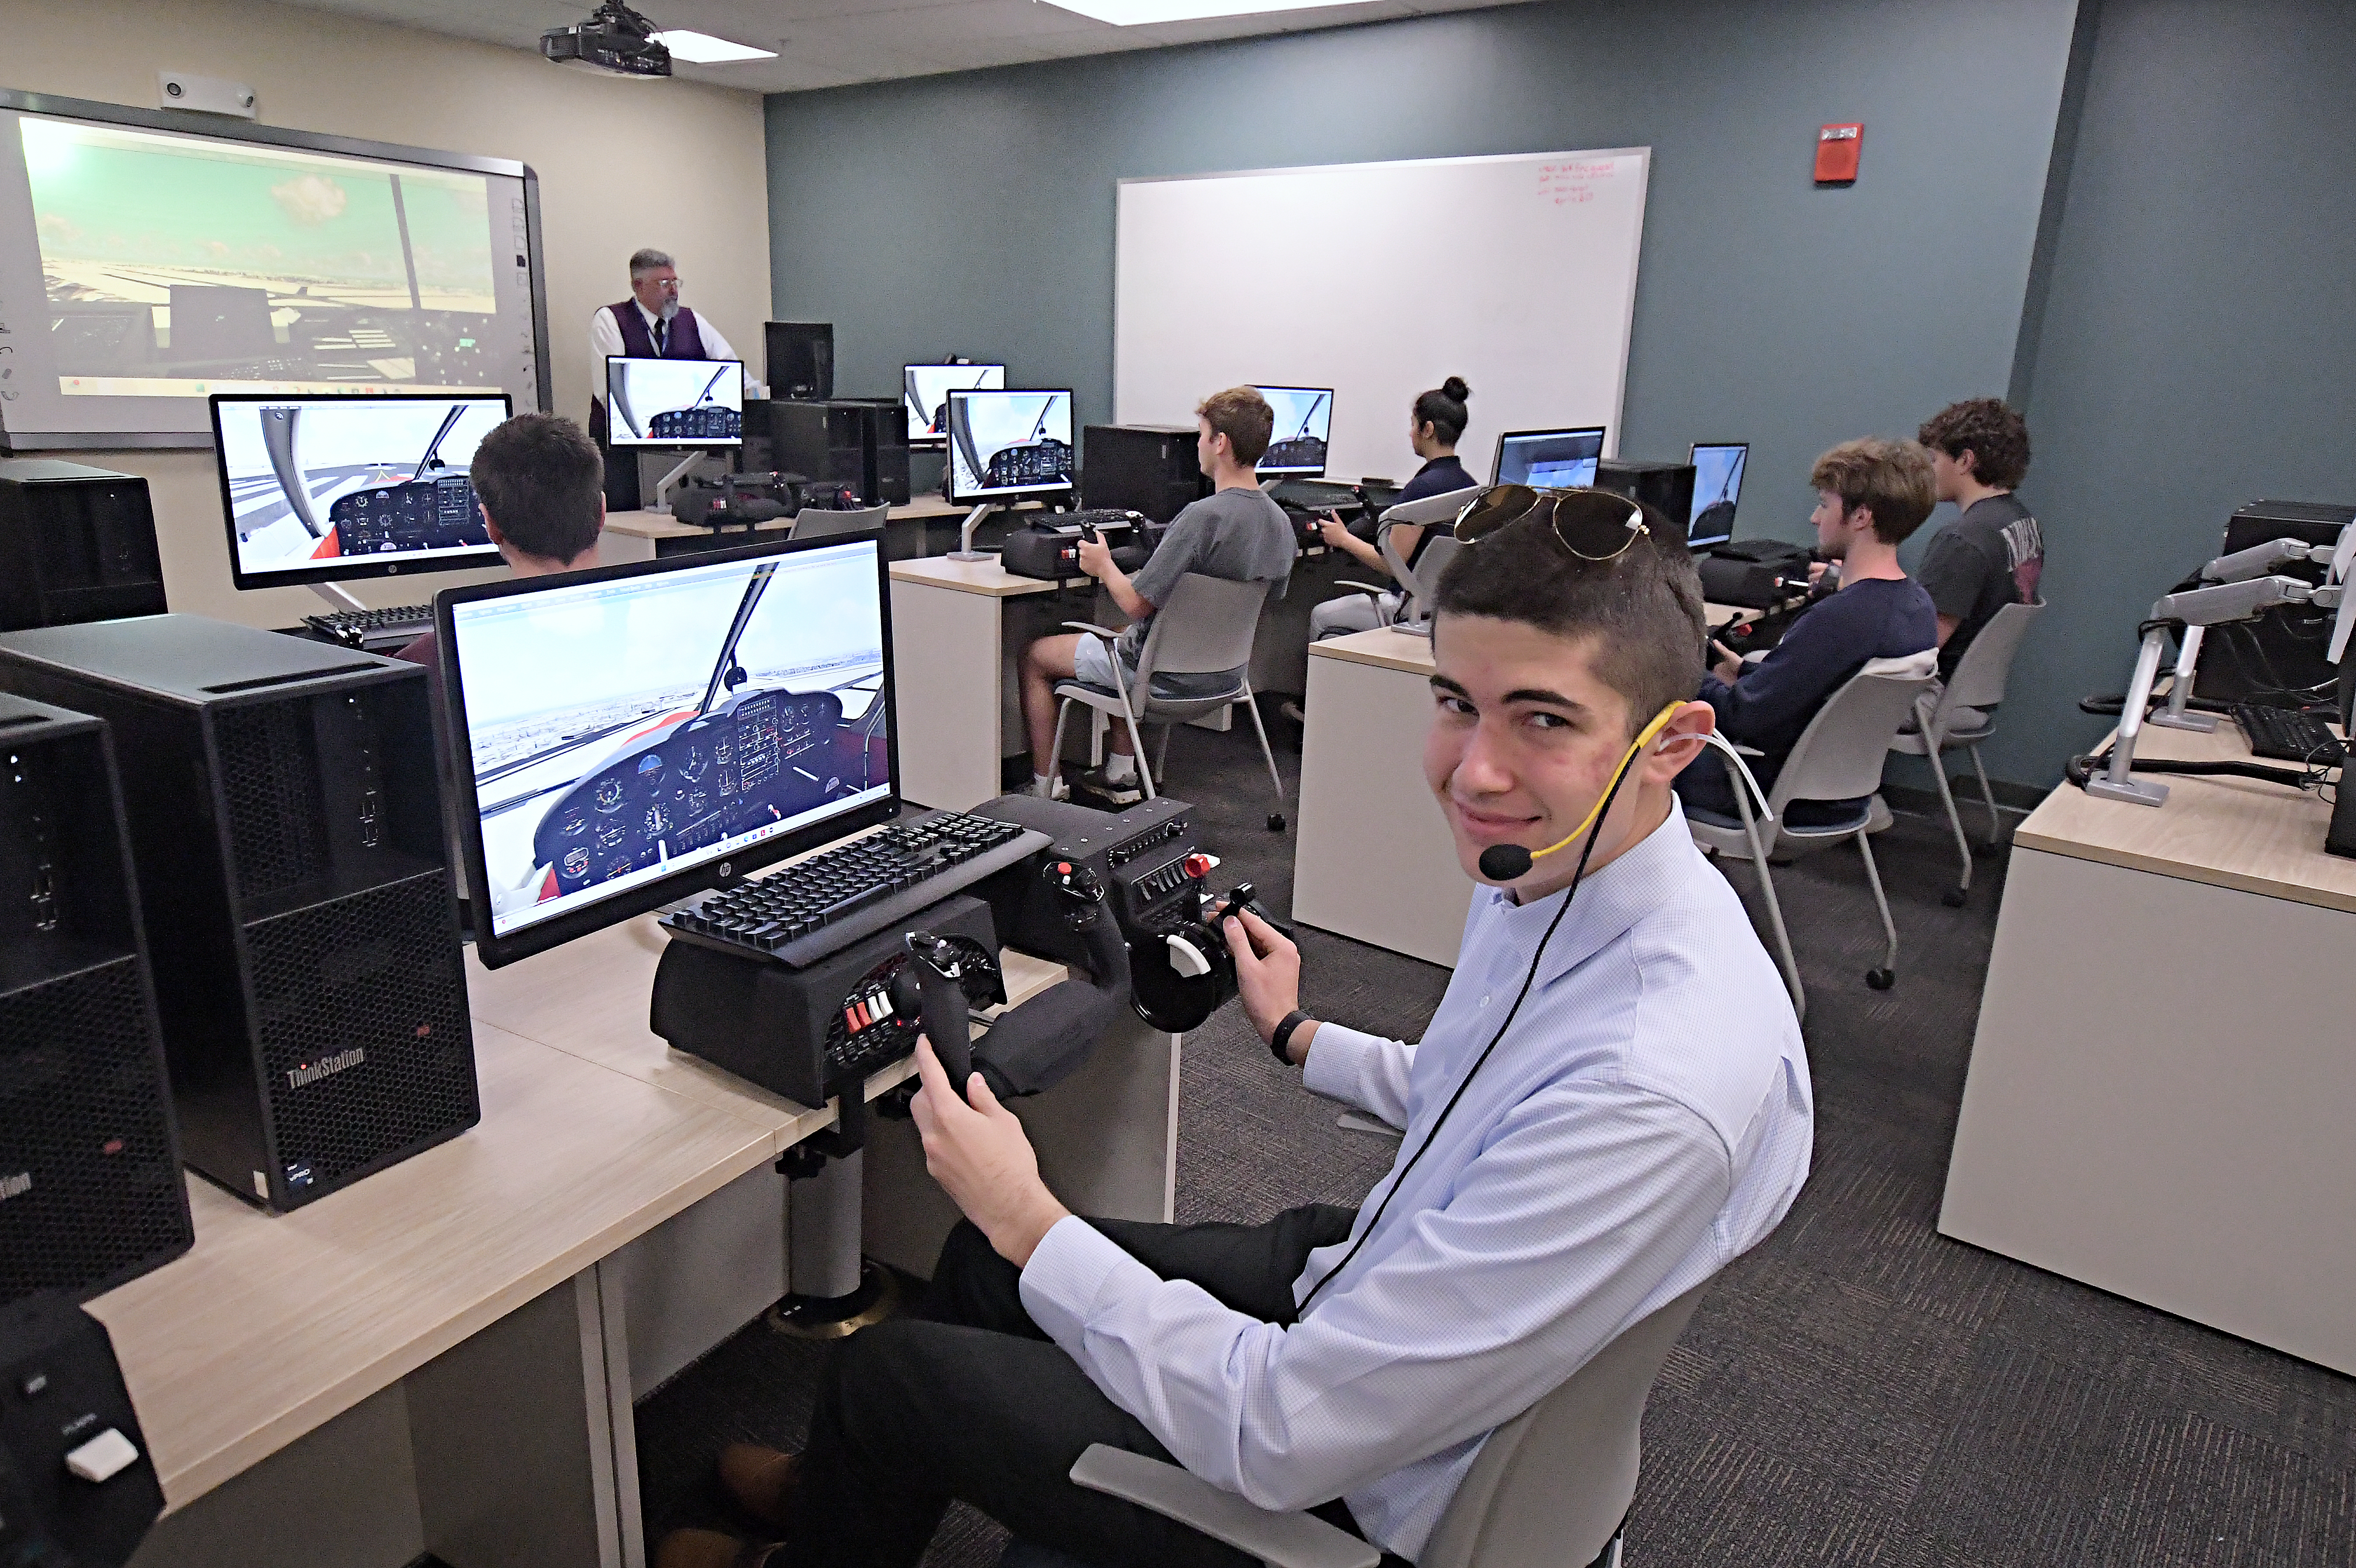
x: 1870, y: 494
x: 1434, y: 426
x: 1993, y: 554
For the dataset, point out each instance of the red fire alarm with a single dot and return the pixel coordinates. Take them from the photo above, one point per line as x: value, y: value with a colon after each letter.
x: 1837, y: 150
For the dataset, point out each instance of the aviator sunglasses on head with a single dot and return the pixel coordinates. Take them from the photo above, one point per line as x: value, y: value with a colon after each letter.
x: 1593, y: 525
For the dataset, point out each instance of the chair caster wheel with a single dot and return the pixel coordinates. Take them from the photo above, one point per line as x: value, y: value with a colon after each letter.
x: 1953, y: 898
x: 1276, y: 822
x: 1881, y: 979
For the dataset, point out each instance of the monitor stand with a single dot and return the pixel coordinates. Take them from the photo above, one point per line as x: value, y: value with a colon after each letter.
x: 965, y: 550
x: 336, y: 595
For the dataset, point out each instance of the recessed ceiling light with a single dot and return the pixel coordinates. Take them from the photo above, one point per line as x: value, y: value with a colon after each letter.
x: 702, y: 48
x: 1143, y: 13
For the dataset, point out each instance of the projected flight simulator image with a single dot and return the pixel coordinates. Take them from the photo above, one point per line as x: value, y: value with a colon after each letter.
x: 624, y: 729
x: 312, y: 482
x: 1009, y: 443
x: 926, y: 390
x: 1551, y: 459
x: 1305, y: 424
x: 674, y: 402
x: 176, y: 265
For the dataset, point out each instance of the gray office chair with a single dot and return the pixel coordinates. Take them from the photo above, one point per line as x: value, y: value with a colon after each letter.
x: 1550, y: 1489
x: 1838, y: 757
x: 1414, y: 587
x: 824, y: 523
x: 1205, y: 629
x: 1958, y: 719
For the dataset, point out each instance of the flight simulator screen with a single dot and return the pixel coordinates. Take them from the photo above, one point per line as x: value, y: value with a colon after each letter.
x: 1009, y: 443
x: 926, y: 390
x: 319, y: 488
x: 674, y: 402
x: 142, y: 270
x: 1549, y: 459
x: 624, y: 729
x: 1718, y: 488
x: 1305, y: 424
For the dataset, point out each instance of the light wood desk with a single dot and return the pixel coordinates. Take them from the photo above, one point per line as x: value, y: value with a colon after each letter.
x: 2161, y: 1101
x: 443, y: 1356
x: 645, y: 535
x: 1375, y: 859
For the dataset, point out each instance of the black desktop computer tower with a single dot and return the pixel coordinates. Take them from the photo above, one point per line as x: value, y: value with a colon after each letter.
x: 798, y: 358
x: 286, y: 823
x: 858, y: 441
x: 76, y: 544
x: 90, y: 1193
x: 1665, y: 487
x: 1143, y: 468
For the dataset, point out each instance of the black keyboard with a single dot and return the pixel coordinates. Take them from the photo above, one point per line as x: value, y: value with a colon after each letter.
x: 1097, y: 518
x: 394, y: 624
x: 2288, y: 736
x: 822, y: 905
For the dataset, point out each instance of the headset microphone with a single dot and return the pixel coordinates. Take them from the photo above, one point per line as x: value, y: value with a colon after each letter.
x: 1511, y: 862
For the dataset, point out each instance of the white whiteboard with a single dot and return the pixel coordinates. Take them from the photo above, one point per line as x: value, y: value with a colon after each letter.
x: 1517, y: 272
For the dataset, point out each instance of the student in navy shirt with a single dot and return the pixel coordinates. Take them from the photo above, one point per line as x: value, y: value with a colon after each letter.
x: 1870, y: 494
x: 1433, y: 427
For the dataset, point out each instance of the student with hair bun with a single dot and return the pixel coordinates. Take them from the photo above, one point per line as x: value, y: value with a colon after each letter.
x: 1434, y: 425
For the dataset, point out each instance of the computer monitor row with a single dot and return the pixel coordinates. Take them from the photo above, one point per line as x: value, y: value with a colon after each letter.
x: 1569, y: 457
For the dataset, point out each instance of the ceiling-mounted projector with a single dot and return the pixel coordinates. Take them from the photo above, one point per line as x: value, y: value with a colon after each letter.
x: 615, y: 41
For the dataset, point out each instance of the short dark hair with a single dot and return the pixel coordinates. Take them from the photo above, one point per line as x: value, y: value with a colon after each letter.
x: 1442, y: 408
x: 1642, y: 610
x: 543, y: 482
x: 1890, y: 479
x: 1243, y: 416
x: 1996, y: 436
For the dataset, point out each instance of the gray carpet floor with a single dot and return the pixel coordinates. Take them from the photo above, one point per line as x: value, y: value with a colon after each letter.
x: 1857, y: 1390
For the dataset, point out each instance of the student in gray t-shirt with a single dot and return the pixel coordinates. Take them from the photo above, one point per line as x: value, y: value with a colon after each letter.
x: 1236, y: 533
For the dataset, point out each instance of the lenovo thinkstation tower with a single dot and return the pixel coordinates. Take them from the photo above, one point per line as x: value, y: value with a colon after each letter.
x: 1150, y: 469
x: 286, y: 828
x: 76, y: 544
x: 858, y: 441
x: 91, y: 1192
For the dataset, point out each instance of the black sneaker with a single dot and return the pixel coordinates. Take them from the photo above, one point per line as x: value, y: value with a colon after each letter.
x: 1113, y: 792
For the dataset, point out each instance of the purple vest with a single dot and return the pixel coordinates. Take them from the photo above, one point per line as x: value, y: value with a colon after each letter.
x: 683, y: 340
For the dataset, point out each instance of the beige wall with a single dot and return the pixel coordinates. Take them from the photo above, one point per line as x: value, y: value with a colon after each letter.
x: 621, y: 165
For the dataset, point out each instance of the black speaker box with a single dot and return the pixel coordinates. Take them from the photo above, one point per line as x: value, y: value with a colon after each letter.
x: 798, y: 359
x: 91, y: 1192
x: 1141, y: 468
x: 286, y: 828
x: 76, y: 544
x: 1666, y: 487
x: 811, y: 1034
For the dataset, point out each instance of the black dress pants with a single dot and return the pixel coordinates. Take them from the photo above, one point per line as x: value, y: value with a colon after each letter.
x: 969, y: 1399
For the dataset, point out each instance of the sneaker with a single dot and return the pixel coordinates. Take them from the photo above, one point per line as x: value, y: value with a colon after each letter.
x: 1115, y: 792
x: 1049, y: 788
x: 1292, y: 711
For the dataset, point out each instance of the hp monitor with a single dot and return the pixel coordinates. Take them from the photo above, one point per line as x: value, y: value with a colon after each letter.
x: 674, y: 402
x: 325, y: 489
x: 623, y: 737
x: 1551, y: 459
x: 1717, y: 485
x: 926, y: 390
x: 1305, y: 424
x: 1006, y: 446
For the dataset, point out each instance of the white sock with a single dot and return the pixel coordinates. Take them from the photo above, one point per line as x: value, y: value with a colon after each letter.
x: 1043, y: 785
x: 1120, y: 767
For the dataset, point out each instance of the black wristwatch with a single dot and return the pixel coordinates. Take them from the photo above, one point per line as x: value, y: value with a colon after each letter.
x: 1283, y: 1035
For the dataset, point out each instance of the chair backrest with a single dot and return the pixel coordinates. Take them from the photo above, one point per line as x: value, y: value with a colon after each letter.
x: 1839, y: 755
x: 823, y: 523
x: 1980, y: 675
x: 1550, y: 1486
x: 1207, y: 627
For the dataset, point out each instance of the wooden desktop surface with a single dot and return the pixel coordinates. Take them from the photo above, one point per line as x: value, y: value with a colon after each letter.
x: 2231, y: 833
x: 593, y: 1132
x: 1387, y: 648
x: 984, y: 577
x: 649, y: 525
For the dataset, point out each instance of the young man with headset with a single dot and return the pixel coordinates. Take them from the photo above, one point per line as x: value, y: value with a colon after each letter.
x: 1611, y: 1104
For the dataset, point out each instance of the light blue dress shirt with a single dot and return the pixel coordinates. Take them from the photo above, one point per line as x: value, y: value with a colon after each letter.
x: 1647, y: 1118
